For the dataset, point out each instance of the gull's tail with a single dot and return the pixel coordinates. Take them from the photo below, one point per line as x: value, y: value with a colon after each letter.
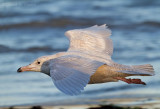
x: 143, y: 70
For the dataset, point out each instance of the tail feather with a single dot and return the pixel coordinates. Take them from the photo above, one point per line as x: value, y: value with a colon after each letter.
x: 143, y: 70
x: 146, y: 68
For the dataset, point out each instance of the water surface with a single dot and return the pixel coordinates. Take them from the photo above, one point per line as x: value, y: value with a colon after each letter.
x: 29, y: 29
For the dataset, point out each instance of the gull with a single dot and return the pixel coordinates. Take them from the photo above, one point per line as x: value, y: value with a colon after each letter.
x: 87, y: 61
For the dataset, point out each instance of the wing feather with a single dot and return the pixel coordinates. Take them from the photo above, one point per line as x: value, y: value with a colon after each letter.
x: 71, y: 73
x: 93, y: 41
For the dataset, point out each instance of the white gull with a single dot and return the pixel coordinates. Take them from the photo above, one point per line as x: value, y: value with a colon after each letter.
x: 87, y: 61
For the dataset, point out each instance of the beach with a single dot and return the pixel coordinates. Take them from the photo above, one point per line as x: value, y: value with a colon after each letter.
x: 136, y: 103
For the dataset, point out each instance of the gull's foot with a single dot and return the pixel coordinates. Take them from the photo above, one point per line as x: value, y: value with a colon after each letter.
x: 131, y: 81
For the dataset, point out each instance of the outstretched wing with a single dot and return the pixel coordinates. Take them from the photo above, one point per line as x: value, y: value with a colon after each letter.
x: 93, y: 41
x: 71, y: 73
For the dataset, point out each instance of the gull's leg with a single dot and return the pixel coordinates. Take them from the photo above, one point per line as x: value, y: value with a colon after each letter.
x: 131, y: 81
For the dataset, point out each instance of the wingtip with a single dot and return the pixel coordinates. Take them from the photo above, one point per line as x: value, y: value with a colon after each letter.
x: 95, y: 25
x: 104, y: 25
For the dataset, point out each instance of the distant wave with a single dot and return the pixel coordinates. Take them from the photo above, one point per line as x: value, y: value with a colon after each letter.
x: 151, y: 23
x: 63, y: 22
x: 18, y: 14
x: 58, y: 22
x: 5, y: 49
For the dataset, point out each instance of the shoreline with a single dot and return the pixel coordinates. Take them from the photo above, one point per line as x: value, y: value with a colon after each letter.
x: 116, y: 103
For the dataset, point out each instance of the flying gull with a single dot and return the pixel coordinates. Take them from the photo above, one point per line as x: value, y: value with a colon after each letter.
x: 87, y: 61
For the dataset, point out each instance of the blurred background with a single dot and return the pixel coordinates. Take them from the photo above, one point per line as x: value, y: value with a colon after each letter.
x: 33, y: 28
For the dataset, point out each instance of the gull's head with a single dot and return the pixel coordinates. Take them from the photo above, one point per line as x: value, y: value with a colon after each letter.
x: 39, y: 65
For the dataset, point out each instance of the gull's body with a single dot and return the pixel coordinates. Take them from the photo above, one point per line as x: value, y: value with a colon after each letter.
x: 87, y: 61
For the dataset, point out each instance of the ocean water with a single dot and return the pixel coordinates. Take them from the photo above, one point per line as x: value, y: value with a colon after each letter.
x: 29, y: 29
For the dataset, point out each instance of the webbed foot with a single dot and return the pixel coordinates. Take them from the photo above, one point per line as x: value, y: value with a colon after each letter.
x: 131, y: 81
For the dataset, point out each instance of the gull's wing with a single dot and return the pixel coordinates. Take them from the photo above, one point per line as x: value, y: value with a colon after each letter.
x: 93, y: 41
x: 71, y: 73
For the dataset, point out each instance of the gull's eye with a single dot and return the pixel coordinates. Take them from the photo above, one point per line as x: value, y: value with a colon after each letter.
x: 38, y: 62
